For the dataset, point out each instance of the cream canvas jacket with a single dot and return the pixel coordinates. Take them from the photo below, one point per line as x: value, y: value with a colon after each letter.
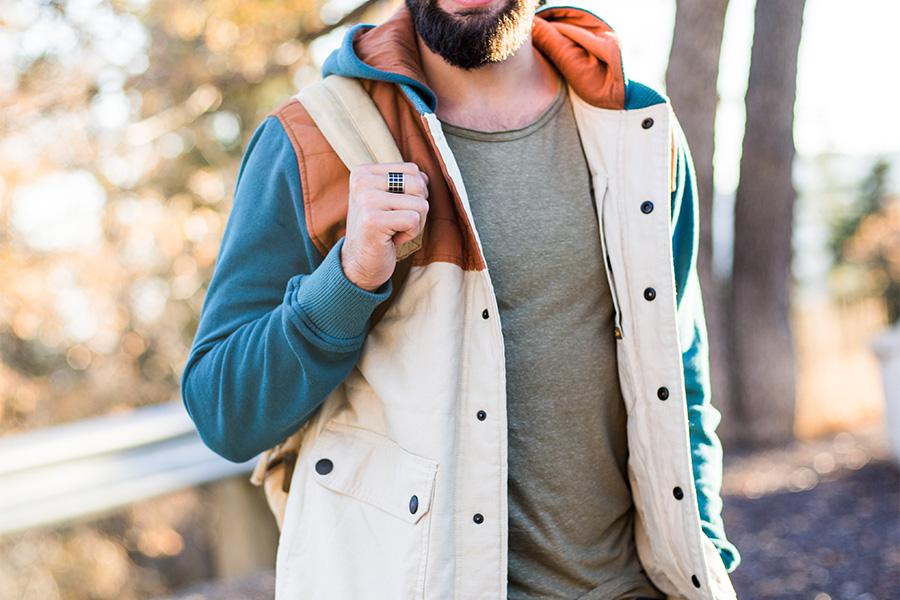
x: 395, y: 463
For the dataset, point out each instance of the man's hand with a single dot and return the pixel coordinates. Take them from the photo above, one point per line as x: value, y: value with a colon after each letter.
x: 378, y: 221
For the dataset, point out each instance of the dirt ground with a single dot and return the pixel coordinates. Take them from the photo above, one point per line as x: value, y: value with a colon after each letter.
x: 815, y: 520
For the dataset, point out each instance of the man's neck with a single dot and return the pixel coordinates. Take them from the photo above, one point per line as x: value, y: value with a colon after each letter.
x: 495, y: 97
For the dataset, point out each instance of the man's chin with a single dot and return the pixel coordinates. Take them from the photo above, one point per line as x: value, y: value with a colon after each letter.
x: 469, y: 34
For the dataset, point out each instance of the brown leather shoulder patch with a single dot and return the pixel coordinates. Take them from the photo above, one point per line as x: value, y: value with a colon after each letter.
x: 323, y: 177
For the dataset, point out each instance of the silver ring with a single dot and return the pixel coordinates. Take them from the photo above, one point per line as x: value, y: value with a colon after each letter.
x: 395, y: 183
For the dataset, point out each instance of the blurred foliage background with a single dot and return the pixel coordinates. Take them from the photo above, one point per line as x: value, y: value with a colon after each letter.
x: 121, y: 131
x: 122, y: 128
x: 122, y: 124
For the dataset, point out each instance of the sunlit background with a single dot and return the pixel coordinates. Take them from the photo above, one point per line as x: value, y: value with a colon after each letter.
x: 122, y: 124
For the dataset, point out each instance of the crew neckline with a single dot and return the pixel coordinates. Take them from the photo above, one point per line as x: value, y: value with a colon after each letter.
x: 510, y: 134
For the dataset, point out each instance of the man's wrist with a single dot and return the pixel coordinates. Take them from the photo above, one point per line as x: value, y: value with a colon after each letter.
x: 335, y: 305
x: 348, y: 267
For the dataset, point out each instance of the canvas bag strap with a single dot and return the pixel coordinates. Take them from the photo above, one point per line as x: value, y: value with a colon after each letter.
x: 346, y: 116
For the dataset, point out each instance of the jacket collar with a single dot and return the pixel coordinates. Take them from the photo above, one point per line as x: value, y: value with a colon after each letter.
x: 581, y: 46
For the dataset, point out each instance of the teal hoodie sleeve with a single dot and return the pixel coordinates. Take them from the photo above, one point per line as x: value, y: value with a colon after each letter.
x: 281, y: 325
x: 703, y: 416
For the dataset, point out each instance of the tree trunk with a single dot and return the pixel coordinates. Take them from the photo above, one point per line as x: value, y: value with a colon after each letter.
x: 691, y: 79
x: 763, y: 353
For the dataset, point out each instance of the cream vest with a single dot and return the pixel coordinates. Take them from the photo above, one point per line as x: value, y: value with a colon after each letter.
x: 400, y: 491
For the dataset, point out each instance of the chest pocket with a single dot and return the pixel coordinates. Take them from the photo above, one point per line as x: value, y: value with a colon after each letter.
x: 364, y: 527
x: 372, y: 468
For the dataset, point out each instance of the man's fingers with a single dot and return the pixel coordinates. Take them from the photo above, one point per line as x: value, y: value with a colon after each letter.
x: 375, y: 177
x: 403, y: 225
x: 383, y: 201
x: 413, y: 183
x: 386, y: 203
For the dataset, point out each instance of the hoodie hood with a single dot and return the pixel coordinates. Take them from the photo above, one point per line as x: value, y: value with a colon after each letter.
x: 580, y: 45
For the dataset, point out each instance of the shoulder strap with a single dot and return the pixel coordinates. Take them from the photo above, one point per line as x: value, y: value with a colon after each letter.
x: 346, y: 116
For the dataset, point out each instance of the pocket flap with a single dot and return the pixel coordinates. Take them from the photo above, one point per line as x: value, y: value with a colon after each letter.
x: 373, y: 468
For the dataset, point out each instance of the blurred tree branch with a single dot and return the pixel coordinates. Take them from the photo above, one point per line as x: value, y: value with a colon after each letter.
x: 351, y: 17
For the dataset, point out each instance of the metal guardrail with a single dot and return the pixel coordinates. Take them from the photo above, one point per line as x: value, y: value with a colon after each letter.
x: 88, y: 468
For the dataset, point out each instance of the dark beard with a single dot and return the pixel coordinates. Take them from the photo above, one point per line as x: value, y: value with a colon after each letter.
x: 473, y: 40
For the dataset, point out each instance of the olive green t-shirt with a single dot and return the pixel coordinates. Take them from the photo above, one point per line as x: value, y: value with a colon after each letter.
x: 571, y: 515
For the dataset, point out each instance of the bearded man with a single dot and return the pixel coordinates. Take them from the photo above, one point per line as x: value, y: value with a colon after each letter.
x: 531, y: 417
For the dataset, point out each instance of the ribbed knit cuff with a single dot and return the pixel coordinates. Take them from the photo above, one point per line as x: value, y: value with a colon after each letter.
x: 332, y: 304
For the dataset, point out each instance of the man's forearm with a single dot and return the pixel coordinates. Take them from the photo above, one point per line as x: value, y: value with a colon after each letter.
x: 280, y: 327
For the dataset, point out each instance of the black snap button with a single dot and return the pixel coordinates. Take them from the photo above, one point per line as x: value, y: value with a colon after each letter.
x: 662, y: 393
x: 413, y: 504
x: 647, y: 207
x: 481, y: 415
x: 647, y: 123
x: 678, y: 493
x: 324, y: 466
x: 484, y: 314
x: 695, y: 581
x: 478, y: 518
x: 649, y: 294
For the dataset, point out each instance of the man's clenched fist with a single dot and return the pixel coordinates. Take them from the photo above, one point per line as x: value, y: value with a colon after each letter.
x: 378, y: 221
